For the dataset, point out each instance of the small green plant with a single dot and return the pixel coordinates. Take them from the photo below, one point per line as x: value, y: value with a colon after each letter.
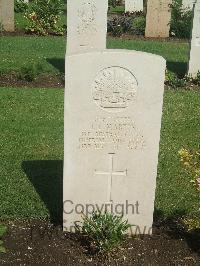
x: 192, y: 223
x: 3, y: 230
x: 30, y: 72
x: 44, y: 16
x: 173, y: 81
x: 191, y: 162
x: 105, y: 231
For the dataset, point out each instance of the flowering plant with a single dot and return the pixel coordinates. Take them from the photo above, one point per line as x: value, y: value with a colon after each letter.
x: 44, y: 17
x: 191, y: 161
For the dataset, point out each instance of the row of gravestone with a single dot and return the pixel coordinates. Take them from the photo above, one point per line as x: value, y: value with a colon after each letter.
x: 113, y: 110
x: 157, y: 21
x: 137, y: 5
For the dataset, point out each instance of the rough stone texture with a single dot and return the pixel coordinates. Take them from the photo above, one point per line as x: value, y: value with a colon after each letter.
x: 7, y: 14
x: 133, y: 5
x: 113, y: 109
x: 194, y: 62
x: 87, y: 25
x: 158, y: 18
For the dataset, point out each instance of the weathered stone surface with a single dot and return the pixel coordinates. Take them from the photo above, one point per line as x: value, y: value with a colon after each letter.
x: 158, y: 18
x: 86, y: 25
x: 194, y: 61
x: 113, y: 108
x: 7, y: 14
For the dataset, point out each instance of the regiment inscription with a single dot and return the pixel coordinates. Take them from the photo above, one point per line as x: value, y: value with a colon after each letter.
x: 111, y: 133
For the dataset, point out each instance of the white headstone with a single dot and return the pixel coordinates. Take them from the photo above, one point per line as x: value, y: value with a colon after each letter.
x: 188, y: 3
x: 7, y: 15
x: 86, y: 25
x: 133, y: 5
x: 194, y: 61
x: 113, y: 109
x: 158, y: 18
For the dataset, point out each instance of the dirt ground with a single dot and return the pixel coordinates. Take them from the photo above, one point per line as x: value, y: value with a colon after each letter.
x: 37, y: 242
x: 41, y: 81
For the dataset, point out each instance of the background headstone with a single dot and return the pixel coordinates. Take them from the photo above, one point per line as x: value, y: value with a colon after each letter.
x: 194, y: 61
x: 133, y: 5
x: 86, y: 25
x: 188, y: 3
x: 7, y: 14
x: 158, y: 18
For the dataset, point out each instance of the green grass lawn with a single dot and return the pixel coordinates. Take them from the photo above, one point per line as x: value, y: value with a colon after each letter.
x: 117, y: 9
x: 31, y: 144
x: 49, y: 52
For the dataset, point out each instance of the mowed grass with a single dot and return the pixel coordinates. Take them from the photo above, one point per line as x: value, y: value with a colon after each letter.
x: 31, y: 144
x: 17, y: 52
x: 49, y: 52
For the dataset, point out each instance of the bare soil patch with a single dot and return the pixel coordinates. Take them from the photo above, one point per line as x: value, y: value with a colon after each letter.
x: 41, y: 81
x: 37, y: 242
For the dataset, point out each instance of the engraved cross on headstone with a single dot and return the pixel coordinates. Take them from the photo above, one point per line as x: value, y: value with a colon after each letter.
x: 110, y: 173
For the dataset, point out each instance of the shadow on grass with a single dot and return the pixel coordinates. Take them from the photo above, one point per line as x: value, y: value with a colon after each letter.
x: 180, y: 68
x: 58, y: 63
x: 47, y: 179
x: 175, y: 229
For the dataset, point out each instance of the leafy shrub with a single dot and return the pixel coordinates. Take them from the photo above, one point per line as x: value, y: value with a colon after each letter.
x: 181, y: 20
x: 173, y: 81
x: 191, y: 162
x: 30, y: 72
x: 20, y: 6
x: 138, y: 26
x: 44, y: 17
x: 105, y: 231
x: 114, y: 3
x: 133, y: 23
x: 115, y: 26
x: 3, y: 230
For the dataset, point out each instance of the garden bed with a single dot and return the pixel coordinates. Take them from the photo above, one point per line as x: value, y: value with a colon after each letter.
x: 41, y: 81
x: 39, y: 242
